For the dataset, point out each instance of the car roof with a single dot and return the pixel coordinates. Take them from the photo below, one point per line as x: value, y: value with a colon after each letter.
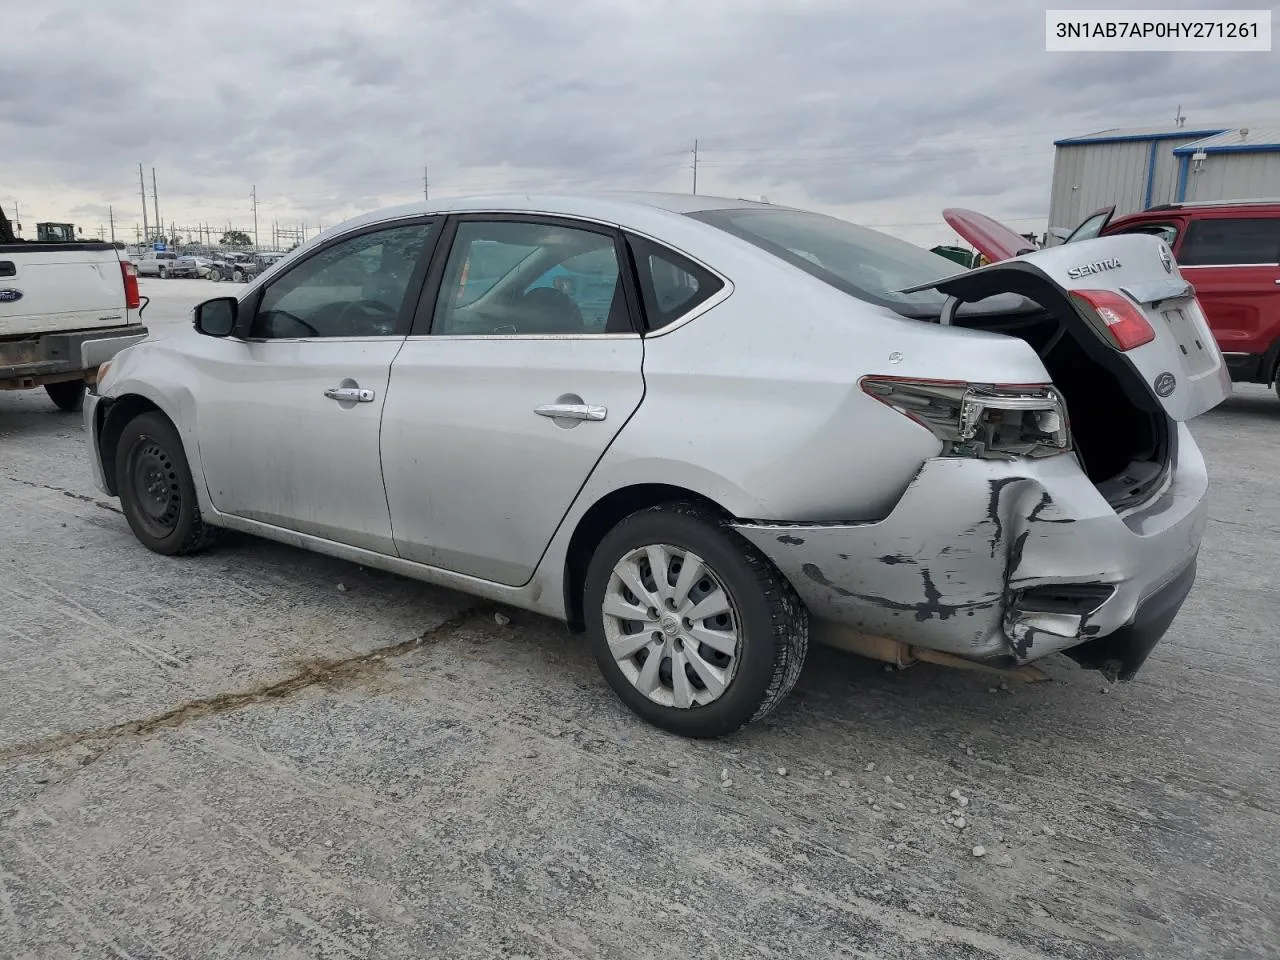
x: 627, y: 208
x: 1216, y: 208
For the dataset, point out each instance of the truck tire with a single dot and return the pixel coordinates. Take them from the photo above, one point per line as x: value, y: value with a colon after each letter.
x: 156, y: 489
x: 215, y: 275
x: 67, y: 394
x: 163, y: 274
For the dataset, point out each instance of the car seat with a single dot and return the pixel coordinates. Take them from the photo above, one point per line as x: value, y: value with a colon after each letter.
x: 548, y: 310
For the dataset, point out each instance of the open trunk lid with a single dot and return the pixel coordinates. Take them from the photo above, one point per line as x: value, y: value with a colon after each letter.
x: 1178, y: 362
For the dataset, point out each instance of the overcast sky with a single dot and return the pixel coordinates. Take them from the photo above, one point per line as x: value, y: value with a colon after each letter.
x: 882, y: 112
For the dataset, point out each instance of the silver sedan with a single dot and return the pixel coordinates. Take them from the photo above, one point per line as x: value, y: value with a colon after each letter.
x: 700, y: 431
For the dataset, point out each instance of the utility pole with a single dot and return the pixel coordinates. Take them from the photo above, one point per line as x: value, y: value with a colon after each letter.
x: 426, y: 185
x: 111, y: 219
x: 253, y: 195
x: 695, y: 166
x: 155, y: 200
x: 142, y: 185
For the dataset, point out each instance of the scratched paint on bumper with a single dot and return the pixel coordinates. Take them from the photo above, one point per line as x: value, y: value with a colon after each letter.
x: 945, y: 568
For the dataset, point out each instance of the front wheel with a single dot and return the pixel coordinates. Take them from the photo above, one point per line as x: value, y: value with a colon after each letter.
x: 68, y: 395
x: 215, y: 275
x: 693, y: 627
x: 156, y: 489
x: 238, y: 277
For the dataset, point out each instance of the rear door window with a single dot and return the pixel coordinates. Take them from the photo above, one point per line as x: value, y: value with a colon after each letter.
x: 531, y: 277
x: 671, y: 285
x: 1231, y: 242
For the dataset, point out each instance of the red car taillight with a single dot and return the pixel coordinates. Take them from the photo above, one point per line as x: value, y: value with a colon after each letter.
x: 1117, y: 315
x: 981, y: 420
x: 132, y: 299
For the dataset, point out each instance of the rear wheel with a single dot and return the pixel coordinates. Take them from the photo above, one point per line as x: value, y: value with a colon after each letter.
x: 67, y: 394
x: 156, y: 489
x: 163, y: 274
x: 692, y: 627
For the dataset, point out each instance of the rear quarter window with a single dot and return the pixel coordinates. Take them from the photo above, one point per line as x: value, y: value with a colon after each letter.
x: 1230, y: 241
x: 671, y: 285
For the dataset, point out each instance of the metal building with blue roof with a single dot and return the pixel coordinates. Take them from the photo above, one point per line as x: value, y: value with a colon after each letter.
x: 1140, y: 167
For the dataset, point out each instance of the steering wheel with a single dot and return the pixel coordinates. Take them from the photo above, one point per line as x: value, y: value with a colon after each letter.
x: 367, y: 309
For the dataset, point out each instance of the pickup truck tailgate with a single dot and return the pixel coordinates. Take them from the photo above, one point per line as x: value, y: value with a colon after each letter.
x: 53, y: 287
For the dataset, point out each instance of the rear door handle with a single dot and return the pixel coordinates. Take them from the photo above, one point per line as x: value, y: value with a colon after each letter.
x: 349, y: 394
x: 571, y: 411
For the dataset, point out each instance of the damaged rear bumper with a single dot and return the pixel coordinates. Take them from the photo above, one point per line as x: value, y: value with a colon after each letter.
x: 1006, y: 562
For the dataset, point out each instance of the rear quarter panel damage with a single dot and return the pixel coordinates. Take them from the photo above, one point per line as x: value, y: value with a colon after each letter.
x: 945, y: 568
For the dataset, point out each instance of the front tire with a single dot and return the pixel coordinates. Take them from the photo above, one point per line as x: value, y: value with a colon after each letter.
x: 68, y: 395
x: 238, y: 277
x: 715, y: 640
x: 215, y: 275
x: 156, y: 489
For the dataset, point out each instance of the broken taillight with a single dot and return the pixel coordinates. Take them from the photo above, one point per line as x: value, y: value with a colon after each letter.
x: 1120, y: 317
x: 132, y: 299
x: 991, y: 421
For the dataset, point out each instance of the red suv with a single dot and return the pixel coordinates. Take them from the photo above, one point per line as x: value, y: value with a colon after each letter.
x: 1229, y: 251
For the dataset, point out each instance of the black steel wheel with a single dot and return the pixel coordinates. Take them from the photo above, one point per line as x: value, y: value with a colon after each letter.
x: 156, y: 489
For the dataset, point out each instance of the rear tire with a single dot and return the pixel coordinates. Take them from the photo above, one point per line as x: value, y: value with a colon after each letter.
x: 156, y: 488
x: 717, y: 672
x: 67, y: 394
x: 163, y: 274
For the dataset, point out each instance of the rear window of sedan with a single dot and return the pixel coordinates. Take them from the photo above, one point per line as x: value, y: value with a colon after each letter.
x: 861, y: 262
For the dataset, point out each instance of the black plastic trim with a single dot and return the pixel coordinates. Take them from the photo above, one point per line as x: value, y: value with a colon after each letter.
x: 1120, y: 654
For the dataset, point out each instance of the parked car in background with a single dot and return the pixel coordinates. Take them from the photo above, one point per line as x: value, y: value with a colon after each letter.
x: 184, y: 266
x: 1229, y: 251
x: 156, y: 263
x: 232, y: 266
x: 698, y: 430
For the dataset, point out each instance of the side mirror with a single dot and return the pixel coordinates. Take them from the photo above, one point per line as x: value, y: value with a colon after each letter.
x: 217, y: 318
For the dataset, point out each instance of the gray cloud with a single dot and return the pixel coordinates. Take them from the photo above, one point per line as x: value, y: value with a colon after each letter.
x: 331, y: 108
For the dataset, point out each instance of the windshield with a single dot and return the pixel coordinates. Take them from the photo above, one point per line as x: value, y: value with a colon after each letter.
x: 863, y: 263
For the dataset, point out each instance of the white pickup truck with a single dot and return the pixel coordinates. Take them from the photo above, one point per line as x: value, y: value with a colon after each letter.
x: 65, y: 309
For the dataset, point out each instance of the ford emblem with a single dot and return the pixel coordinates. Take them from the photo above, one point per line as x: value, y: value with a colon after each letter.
x: 10, y: 295
x: 1165, y: 383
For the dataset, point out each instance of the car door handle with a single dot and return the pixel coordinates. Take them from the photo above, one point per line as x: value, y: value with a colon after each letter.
x: 571, y: 411
x: 349, y: 394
